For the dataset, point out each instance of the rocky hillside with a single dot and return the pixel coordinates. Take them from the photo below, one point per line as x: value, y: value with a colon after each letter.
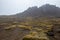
x: 43, y: 11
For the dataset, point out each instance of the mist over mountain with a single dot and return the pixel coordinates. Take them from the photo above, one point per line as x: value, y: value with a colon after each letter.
x: 46, y: 10
x: 32, y: 24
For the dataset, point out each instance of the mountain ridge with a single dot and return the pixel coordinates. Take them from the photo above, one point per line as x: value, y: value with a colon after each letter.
x: 46, y: 10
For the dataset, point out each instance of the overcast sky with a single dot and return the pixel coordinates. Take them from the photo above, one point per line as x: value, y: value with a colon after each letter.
x: 8, y: 7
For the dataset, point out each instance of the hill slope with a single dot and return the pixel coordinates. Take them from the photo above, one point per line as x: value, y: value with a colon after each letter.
x: 43, y: 11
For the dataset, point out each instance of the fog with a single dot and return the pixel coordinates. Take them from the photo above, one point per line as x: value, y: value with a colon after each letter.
x: 8, y: 7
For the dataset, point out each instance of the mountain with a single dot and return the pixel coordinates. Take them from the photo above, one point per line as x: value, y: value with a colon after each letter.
x: 16, y: 27
x: 43, y: 11
x: 46, y: 10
